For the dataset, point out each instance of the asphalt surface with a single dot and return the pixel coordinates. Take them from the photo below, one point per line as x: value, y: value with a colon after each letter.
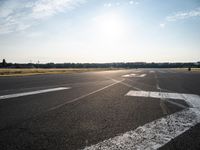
x: 94, y: 109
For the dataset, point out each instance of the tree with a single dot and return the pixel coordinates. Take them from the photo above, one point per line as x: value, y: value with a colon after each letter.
x: 4, y: 63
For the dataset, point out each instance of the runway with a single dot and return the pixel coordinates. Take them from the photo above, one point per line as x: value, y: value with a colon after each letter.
x: 121, y: 109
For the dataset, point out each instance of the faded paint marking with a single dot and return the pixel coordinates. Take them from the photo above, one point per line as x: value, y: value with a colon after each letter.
x: 32, y: 93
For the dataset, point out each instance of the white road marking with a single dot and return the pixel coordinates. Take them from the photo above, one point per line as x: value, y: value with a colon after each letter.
x: 142, y: 75
x: 129, y: 75
x: 152, y: 135
x: 32, y: 93
x: 133, y: 75
x: 192, y: 99
x: 158, y: 87
x: 155, y: 134
x: 163, y: 106
x: 83, y: 96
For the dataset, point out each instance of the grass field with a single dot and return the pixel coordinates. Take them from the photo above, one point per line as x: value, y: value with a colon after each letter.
x: 25, y: 72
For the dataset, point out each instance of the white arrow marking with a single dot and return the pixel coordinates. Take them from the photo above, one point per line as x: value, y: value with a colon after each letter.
x: 32, y: 93
x: 155, y: 134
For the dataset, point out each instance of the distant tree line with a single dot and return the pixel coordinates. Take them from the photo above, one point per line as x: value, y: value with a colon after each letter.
x: 4, y: 64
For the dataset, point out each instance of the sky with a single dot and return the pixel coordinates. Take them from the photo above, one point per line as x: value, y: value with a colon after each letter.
x: 99, y: 31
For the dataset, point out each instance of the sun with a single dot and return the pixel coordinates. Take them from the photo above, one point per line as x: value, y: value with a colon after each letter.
x: 109, y: 25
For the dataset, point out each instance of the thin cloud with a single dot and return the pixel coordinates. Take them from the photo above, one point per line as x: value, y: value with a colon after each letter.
x: 112, y: 4
x: 184, y: 15
x: 44, y: 8
x: 162, y: 25
x: 17, y: 15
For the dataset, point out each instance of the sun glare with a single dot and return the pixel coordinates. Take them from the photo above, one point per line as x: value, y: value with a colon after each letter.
x: 109, y: 25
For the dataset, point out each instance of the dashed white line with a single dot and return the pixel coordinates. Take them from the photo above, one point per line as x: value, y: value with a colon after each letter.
x: 32, y: 93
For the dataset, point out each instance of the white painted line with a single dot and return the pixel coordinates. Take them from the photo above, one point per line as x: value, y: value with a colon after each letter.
x: 83, y: 96
x: 155, y: 134
x: 192, y: 99
x: 129, y: 75
x: 158, y: 87
x: 143, y: 75
x: 32, y: 93
x: 138, y: 93
x: 126, y: 75
x: 152, y: 135
x: 133, y: 75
